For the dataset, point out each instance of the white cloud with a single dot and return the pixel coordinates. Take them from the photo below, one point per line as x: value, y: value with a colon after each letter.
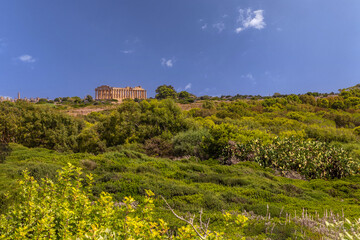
x: 188, y: 86
x: 239, y: 29
x: 167, y: 62
x: 203, y: 27
x: 127, y: 51
x: 26, y: 58
x: 250, y: 19
x: 220, y: 26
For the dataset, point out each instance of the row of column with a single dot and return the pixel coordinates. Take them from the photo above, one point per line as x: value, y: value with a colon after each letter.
x: 103, y: 94
x: 120, y: 94
x: 127, y: 93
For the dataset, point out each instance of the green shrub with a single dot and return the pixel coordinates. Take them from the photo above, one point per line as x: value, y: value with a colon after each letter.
x: 312, y: 159
x: 63, y: 210
x: 329, y: 134
x: 190, y: 143
x: 158, y: 147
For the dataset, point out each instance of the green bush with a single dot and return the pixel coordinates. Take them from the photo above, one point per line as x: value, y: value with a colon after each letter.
x: 190, y: 143
x: 312, y: 159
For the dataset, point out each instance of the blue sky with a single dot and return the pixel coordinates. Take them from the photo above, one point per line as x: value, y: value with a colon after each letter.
x: 223, y: 47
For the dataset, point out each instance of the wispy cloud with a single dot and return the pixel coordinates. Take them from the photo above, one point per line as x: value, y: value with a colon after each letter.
x: 220, y: 26
x: 133, y: 40
x: 250, y: 19
x: 188, y: 86
x: 26, y: 58
x: 127, y: 51
x: 249, y: 77
x: 167, y: 62
x: 203, y: 27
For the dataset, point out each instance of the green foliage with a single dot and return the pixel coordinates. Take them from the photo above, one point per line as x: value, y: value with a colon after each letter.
x: 38, y: 126
x: 312, y: 159
x: 89, y: 98
x: 165, y: 91
x: 329, y: 134
x: 4, y: 151
x: 293, y: 98
x: 184, y: 95
x: 185, y: 183
x: 357, y: 131
x: 322, y: 102
x: 208, y: 104
x: 89, y: 140
x: 137, y: 122
x: 158, y: 147
x: 64, y: 210
x: 308, y: 99
x: 190, y: 143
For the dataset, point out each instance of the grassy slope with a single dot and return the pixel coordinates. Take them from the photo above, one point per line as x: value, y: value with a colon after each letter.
x: 189, y: 185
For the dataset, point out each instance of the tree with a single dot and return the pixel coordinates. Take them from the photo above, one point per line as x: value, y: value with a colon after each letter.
x: 308, y: 99
x: 165, y: 91
x: 184, y: 95
x: 322, y: 102
x: 89, y: 98
x: 277, y: 94
x: 76, y: 99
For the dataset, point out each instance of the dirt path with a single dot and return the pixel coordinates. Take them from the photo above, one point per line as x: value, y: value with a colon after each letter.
x: 87, y: 110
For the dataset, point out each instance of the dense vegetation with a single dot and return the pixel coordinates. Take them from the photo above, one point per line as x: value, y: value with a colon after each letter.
x: 265, y: 158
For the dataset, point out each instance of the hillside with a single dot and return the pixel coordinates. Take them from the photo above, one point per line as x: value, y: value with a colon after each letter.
x: 288, y: 163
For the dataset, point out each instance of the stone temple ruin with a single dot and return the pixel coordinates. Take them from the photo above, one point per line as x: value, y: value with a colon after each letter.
x: 105, y: 92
